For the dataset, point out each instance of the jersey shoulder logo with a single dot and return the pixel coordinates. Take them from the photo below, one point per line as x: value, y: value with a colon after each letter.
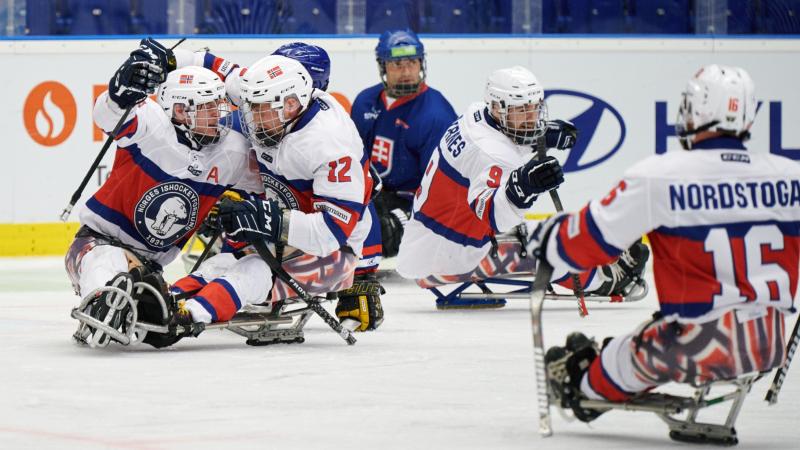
x: 166, y: 213
x: 279, y: 191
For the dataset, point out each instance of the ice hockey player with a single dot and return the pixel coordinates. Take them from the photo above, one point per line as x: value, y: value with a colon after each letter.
x: 312, y: 164
x: 361, y: 300
x: 481, y: 181
x: 724, y: 225
x: 400, y: 121
x: 175, y: 157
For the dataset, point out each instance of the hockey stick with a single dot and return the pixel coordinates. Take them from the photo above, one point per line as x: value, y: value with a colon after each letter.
x: 313, y: 304
x: 577, y: 288
x: 78, y: 192
x: 780, y: 375
x: 206, y: 250
x: 540, y: 283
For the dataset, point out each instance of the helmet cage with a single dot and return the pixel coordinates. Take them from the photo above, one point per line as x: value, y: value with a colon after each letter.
x: 527, y: 135
x: 199, y: 124
x: 402, y: 89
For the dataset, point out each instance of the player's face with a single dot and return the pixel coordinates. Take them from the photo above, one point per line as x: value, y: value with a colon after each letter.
x: 523, y: 117
x: 403, y: 71
x: 207, y: 116
x: 267, y: 117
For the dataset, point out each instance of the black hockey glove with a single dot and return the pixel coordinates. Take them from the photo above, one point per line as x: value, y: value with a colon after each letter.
x: 362, y: 303
x: 153, y: 52
x: 133, y: 81
x: 530, y: 180
x: 251, y: 220
x: 392, y: 227
x: 560, y: 134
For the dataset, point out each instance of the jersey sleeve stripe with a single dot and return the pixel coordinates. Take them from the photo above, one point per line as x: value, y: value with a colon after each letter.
x: 129, y: 129
x: 336, y: 229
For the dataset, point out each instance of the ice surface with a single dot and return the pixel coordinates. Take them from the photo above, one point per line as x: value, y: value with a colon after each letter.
x: 425, y: 379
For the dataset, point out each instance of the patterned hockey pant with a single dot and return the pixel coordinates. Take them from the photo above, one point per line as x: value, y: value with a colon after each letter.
x: 507, y: 262
x: 665, y: 350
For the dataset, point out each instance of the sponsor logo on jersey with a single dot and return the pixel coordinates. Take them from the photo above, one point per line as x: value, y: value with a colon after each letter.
x: 50, y: 113
x: 166, y: 213
x: 382, y: 149
x: 372, y: 114
x: 333, y: 210
x: 602, y: 129
x: 277, y: 190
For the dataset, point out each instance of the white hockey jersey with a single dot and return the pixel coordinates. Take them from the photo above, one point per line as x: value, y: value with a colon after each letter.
x: 723, y: 223
x: 461, y: 203
x: 320, y: 171
x: 159, y: 190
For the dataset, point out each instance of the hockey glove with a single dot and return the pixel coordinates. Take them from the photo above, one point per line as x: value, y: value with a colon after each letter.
x: 392, y: 226
x: 133, y: 81
x: 251, y: 220
x: 560, y: 134
x: 530, y: 180
x: 362, y: 303
x: 153, y: 52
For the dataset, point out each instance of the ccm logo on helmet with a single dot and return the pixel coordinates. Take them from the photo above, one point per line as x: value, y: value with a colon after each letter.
x: 602, y: 129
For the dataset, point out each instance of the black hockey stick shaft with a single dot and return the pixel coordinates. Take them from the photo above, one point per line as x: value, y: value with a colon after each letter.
x: 540, y: 283
x: 577, y: 287
x: 780, y: 374
x: 313, y: 304
x: 206, y: 250
x: 78, y: 192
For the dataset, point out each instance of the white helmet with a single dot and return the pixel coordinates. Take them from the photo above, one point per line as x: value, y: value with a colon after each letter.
x: 265, y: 86
x: 517, y: 87
x: 718, y: 98
x: 193, y: 87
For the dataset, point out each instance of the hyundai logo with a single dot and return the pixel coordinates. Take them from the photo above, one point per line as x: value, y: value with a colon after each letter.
x: 593, y: 114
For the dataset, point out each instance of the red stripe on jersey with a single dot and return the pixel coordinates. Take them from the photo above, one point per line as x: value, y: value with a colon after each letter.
x: 372, y: 250
x: 219, y: 299
x: 683, y: 270
x: 129, y: 129
x: 582, y: 248
x: 368, y: 183
x: 740, y: 267
x: 447, y: 204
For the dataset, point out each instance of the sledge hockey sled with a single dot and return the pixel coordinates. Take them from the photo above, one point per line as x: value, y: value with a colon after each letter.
x: 279, y: 322
x: 669, y: 408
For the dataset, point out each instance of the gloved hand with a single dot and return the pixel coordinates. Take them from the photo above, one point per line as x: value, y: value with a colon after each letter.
x: 530, y: 180
x: 251, y: 220
x: 133, y: 81
x: 154, y: 52
x: 560, y: 134
x: 362, y: 303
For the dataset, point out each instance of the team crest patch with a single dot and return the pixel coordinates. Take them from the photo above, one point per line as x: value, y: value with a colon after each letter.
x: 277, y: 190
x: 166, y: 213
x: 382, y: 149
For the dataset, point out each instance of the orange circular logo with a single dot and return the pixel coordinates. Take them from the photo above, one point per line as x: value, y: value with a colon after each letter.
x: 50, y: 113
x: 342, y: 99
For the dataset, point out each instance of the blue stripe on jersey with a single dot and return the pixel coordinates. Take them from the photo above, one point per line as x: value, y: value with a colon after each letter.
x: 687, y: 309
x: 208, y: 61
x: 154, y: 171
x: 492, y: 209
x: 298, y: 184
x: 337, y: 231
x: 207, y: 306
x: 352, y: 206
x: 231, y: 292
x: 719, y: 143
x: 119, y: 219
x: 591, y: 225
x: 449, y: 233
x: 451, y: 171
x: 735, y: 230
x: 312, y: 111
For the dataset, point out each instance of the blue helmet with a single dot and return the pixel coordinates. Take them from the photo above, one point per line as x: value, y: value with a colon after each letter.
x: 399, y: 44
x: 315, y: 59
x: 395, y: 45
